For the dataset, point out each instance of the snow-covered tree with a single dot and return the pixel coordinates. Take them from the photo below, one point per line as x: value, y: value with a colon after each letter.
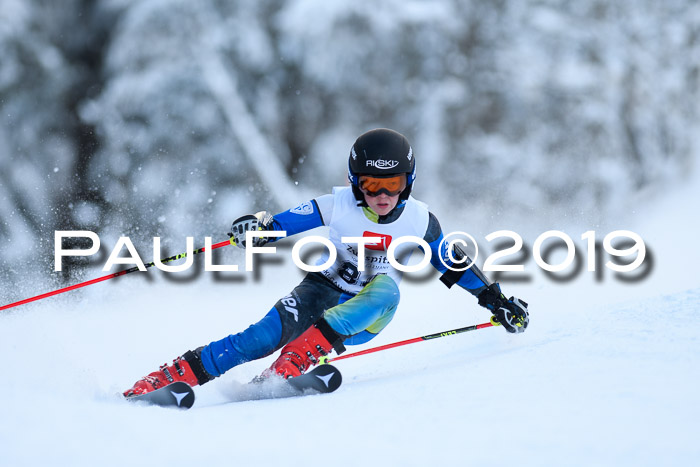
x: 172, y: 118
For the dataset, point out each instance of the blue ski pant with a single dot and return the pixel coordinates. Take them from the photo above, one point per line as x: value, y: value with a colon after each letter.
x: 356, y: 317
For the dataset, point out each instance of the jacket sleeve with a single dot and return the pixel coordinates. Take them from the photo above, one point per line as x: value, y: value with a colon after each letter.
x: 472, y: 280
x: 306, y: 216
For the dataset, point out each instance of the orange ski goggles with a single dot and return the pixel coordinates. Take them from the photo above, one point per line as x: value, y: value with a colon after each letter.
x: 374, y: 186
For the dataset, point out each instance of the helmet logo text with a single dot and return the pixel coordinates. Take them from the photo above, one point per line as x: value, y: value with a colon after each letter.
x: 382, y: 164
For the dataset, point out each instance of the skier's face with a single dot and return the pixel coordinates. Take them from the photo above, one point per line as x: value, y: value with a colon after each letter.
x: 382, y: 204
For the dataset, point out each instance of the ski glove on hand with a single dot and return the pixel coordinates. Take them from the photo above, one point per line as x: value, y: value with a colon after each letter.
x: 511, y: 313
x: 260, y: 221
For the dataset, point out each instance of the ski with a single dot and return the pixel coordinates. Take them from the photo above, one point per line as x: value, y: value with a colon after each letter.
x: 321, y: 380
x: 178, y: 395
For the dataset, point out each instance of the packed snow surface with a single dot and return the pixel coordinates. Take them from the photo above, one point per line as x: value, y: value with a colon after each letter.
x: 607, y: 374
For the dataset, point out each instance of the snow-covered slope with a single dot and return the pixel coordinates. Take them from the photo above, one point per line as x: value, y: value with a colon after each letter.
x: 607, y: 374
x: 612, y: 384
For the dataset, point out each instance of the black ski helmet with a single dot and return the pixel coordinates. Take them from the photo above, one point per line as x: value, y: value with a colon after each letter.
x: 381, y: 152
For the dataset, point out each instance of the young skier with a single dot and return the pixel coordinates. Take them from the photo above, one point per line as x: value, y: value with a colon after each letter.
x: 342, y: 304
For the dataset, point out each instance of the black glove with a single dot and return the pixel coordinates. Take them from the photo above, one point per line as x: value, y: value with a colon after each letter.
x: 260, y: 221
x: 511, y: 312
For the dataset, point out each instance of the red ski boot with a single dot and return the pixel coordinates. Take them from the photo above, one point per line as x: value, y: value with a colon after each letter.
x: 306, y: 350
x: 187, y: 368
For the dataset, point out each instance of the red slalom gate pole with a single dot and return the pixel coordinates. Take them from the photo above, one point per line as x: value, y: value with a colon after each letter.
x: 409, y: 341
x: 109, y: 276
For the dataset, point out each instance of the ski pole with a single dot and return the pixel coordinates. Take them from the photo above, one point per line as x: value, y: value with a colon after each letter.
x: 109, y: 276
x: 409, y: 341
